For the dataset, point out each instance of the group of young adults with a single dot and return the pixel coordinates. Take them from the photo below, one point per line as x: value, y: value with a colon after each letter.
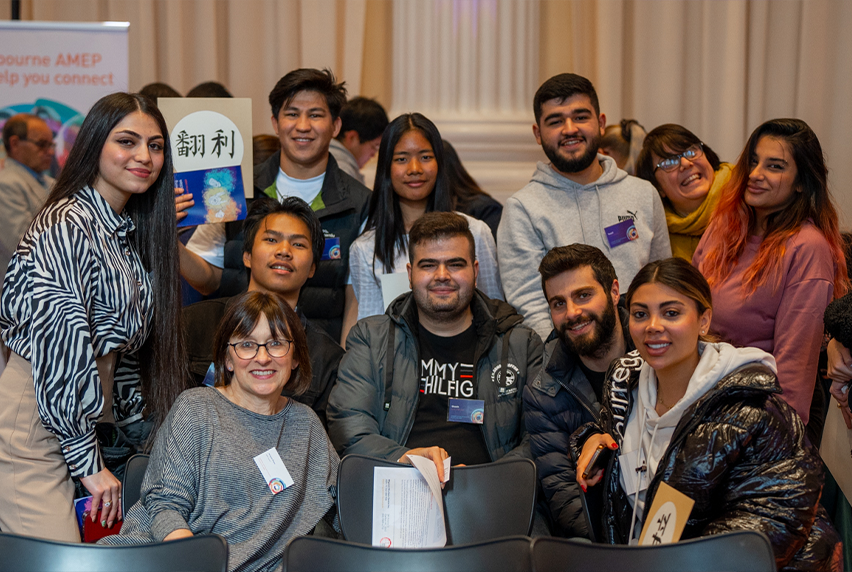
x: 703, y: 379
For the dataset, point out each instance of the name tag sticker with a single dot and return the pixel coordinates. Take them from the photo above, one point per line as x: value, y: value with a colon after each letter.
x: 332, y: 248
x: 466, y: 411
x: 274, y: 472
x: 668, y: 515
x: 625, y: 231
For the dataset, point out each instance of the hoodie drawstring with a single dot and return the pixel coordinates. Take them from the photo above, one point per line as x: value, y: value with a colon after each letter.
x: 641, y: 469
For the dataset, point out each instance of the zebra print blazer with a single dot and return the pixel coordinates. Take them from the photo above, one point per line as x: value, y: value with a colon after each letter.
x: 76, y: 290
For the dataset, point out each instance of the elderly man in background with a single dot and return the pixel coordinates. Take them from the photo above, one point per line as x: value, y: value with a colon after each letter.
x: 23, y: 185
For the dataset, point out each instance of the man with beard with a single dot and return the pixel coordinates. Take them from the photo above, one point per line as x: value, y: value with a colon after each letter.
x: 579, y: 197
x: 442, y: 372
x: 589, y: 331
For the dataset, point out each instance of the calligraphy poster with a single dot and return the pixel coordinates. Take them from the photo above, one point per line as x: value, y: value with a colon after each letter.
x: 211, y: 147
x: 57, y: 71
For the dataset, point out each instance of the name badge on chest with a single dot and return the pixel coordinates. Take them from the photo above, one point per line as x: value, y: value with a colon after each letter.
x: 274, y: 472
x: 466, y: 411
x: 625, y: 231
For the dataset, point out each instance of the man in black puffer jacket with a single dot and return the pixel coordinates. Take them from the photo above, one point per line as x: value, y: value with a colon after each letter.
x: 590, y: 330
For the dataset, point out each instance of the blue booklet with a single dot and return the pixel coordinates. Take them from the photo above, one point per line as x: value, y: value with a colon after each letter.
x: 218, y: 194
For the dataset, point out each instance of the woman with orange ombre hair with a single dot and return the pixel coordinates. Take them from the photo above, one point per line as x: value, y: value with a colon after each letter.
x: 773, y: 254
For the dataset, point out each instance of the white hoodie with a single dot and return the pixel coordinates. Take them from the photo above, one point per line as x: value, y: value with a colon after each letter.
x: 647, y: 435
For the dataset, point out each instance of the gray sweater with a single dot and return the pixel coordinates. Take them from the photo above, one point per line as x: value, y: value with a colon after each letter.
x: 552, y: 210
x: 202, y: 477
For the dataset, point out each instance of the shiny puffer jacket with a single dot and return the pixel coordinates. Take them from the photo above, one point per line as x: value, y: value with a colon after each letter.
x: 740, y: 453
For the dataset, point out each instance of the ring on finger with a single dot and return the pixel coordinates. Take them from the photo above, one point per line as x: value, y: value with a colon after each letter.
x: 107, y: 504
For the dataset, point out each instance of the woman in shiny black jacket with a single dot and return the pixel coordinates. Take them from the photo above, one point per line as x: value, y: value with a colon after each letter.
x: 727, y: 440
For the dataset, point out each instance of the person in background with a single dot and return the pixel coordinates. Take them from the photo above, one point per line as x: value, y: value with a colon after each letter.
x: 623, y: 142
x: 411, y: 180
x: 209, y: 89
x: 689, y: 177
x: 263, y: 147
x: 362, y: 122
x: 706, y: 419
x: 203, y: 475
x: 157, y: 90
x: 773, y: 254
x: 24, y: 185
x: 282, y: 248
x: 589, y: 332
x: 468, y: 197
x: 89, y: 310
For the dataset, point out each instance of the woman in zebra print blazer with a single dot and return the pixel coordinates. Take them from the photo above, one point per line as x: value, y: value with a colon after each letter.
x: 90, y: 309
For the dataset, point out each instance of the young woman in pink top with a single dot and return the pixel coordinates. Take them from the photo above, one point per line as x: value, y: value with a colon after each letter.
x: 773, y: 254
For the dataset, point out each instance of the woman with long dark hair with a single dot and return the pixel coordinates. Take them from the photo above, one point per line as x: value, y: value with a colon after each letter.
x: 689, y: 177
x: 90, y: 311
x: 706, y: 419
x: 773, y: 254
x: 411, y: 180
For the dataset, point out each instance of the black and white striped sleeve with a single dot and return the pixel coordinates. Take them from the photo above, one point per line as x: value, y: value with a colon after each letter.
x: 63, y: 278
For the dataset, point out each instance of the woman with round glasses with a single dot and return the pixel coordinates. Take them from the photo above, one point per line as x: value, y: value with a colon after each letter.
x: 689, y: 176
x: 773, y: 254
x: 240, y: 459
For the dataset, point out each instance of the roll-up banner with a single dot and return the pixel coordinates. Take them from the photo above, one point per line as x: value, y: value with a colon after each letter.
x: 58, y: 70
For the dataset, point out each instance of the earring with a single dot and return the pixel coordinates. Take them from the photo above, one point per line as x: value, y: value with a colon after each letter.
x: 231, y: 368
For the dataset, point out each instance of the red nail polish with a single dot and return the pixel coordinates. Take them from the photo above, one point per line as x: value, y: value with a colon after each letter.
x: 583, y: 487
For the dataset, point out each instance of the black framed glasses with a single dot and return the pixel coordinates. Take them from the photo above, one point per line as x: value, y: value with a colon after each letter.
x: 671, y: 163
x: 275, y: 348
x: 43, y: 145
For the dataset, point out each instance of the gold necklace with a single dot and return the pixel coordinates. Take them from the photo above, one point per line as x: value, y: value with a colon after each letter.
x: 663, y: 403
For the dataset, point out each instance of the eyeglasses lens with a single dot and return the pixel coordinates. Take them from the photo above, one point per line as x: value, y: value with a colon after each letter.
x: 673, y: 162
x: 275, y: 348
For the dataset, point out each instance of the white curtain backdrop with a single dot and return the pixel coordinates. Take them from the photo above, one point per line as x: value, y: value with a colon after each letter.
x: 719, y: 67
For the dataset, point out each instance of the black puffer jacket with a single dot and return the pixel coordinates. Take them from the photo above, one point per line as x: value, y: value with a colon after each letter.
x: 740, y: 452
x: 558, y: 402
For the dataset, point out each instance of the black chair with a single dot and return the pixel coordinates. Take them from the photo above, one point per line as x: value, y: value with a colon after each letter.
x: 742, y: 551
x: 482, y: 502
x: 309, y: 554
x: 206, y: 553
x: 131, y: 485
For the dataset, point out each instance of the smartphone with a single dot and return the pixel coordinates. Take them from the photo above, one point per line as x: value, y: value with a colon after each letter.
x: 599, y: 461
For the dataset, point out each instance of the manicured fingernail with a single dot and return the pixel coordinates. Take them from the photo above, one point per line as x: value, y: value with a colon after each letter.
x: 583, y: 487
x: 103, y: 523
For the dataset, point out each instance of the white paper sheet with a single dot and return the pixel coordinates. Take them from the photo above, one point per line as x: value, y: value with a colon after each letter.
x: 393, y: 285
x: 408, y: 507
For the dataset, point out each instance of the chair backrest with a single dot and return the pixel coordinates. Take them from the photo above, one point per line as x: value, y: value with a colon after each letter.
x: 309, y: 553
x: 482, y: 502
x: 131, y: 484
x: 741, y: 551
x: 206, y: 553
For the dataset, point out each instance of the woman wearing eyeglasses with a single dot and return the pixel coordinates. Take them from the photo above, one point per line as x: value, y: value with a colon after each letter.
x: 689, y: 176
x: 240, y: 459
x: 773, y: 254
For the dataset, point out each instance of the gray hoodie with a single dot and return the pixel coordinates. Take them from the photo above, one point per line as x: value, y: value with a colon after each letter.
x: 552, y: 210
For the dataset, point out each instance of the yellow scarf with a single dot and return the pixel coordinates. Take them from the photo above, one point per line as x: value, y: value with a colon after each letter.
x: 685, y: 231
